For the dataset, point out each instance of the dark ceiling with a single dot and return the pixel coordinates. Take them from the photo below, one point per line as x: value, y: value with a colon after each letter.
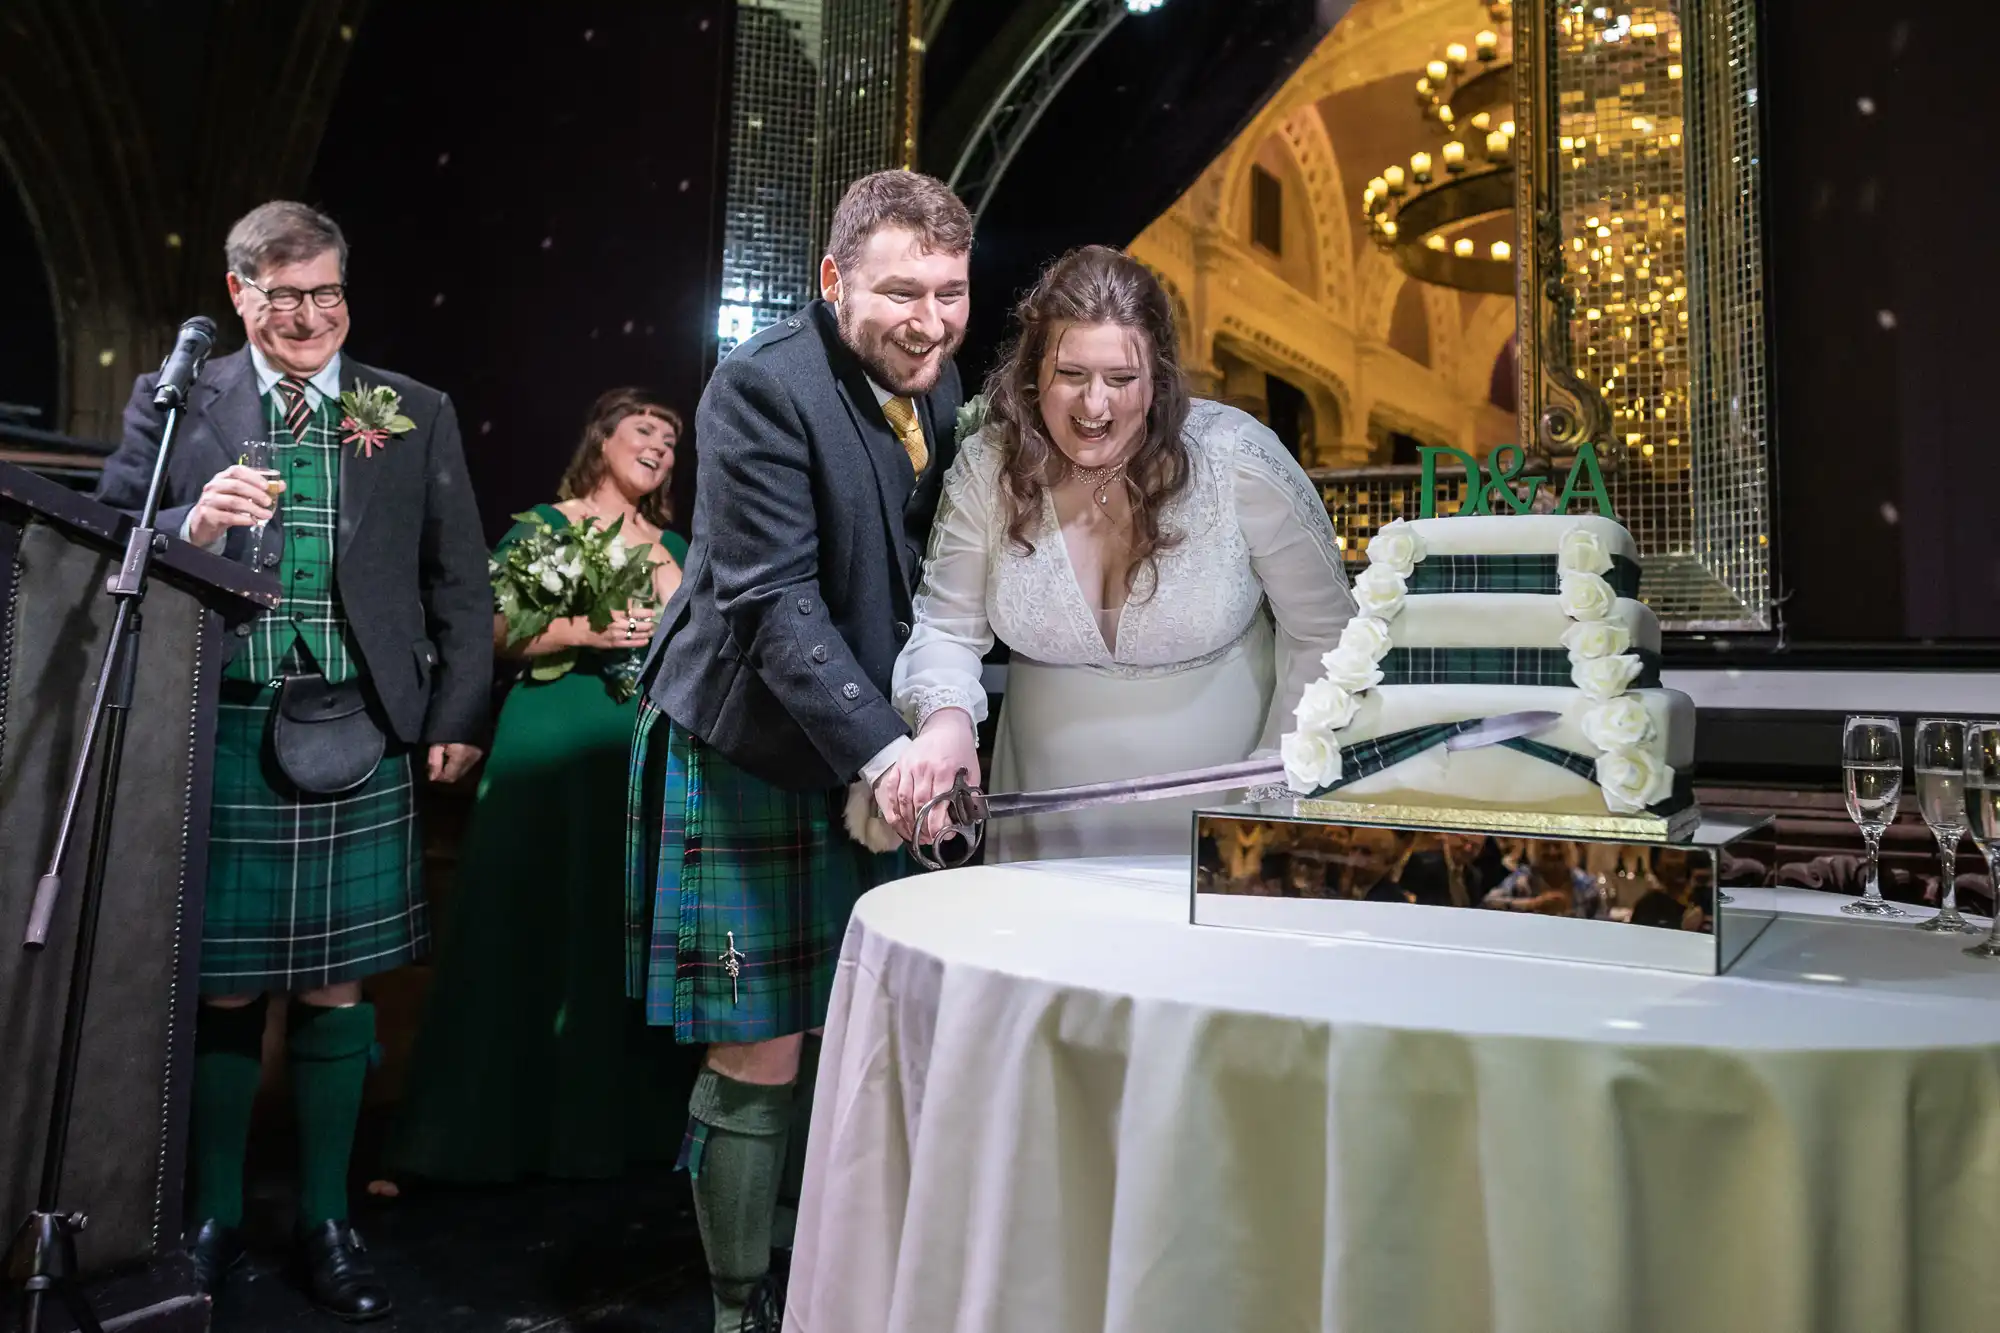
x: 1156, y: 102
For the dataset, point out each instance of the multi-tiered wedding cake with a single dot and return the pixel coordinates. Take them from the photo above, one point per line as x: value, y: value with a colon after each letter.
x: 1463, y: 620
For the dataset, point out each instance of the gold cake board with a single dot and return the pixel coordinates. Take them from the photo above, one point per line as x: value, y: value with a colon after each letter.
x: 1524, y: 823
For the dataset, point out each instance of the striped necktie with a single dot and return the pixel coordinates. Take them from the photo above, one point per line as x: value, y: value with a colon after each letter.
x: 902, y: 415
x: 292, y: 394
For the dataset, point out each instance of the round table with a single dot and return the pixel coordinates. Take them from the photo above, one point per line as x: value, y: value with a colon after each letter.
x: 1049, y: 1104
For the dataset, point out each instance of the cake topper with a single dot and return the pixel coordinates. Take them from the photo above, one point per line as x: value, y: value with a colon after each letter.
x: 1584, y: 482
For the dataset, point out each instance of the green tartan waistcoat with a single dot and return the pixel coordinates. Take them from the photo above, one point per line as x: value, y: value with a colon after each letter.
x: 309, y: 626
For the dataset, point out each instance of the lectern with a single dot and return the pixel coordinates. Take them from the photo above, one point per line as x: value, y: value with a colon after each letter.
x: 126, y: 1140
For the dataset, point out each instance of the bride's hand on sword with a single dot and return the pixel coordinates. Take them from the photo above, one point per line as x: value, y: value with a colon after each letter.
x: 944, y: 745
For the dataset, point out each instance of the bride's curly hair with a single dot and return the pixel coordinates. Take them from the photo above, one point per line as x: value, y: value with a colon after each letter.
x: 1092, y: 285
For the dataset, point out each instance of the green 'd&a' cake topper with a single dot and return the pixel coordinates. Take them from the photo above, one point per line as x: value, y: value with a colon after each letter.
x: 1585, y: 482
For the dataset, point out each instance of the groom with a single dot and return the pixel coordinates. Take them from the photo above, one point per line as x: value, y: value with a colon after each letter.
x: 824, y: 442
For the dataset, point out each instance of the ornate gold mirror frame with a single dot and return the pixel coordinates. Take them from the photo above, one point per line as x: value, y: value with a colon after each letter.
x: 1641, y: 284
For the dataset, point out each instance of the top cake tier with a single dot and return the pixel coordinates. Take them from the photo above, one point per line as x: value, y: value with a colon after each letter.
x: 1519, y: 534
x: 1526, y: 553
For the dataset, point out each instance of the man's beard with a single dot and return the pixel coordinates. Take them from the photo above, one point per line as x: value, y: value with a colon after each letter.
x: 872, y: 360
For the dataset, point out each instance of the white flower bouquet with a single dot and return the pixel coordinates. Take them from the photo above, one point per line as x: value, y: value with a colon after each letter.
x: 582, y: 571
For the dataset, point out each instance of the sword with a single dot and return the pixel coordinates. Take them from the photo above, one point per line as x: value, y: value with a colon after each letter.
x: 967, y: 808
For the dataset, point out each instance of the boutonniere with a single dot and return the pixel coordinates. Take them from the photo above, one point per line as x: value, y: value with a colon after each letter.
x: 372, y: 416
x: 971, y: 416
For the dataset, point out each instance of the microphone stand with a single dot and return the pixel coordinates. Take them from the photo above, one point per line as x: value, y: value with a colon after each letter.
x: 43, y: 1255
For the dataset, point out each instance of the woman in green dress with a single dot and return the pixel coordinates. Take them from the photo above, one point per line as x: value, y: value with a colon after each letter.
x: 530, y: 1060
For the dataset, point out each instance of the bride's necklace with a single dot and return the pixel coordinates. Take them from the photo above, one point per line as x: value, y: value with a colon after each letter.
x: 1098, y: 479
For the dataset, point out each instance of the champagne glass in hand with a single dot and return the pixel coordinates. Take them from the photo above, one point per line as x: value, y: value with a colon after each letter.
x: 1871, y: 758
x: 258, y: 456
x: 1982, y: 815
x: 1940, y: 770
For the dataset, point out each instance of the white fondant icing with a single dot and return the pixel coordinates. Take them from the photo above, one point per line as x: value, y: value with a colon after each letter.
x: 1506, y: 620
x: 1518, y: 534
x: 1388, y: 709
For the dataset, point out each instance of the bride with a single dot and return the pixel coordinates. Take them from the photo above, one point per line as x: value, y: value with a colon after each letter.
x: 1133, y: 549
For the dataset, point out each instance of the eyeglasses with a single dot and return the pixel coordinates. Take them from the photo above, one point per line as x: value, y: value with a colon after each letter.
x: 291, y: 298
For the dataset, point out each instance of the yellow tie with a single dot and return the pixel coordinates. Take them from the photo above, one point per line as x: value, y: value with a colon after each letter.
x: 902, y: 414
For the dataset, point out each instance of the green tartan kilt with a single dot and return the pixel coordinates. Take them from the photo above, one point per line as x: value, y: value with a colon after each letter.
x: 305, y: 891
x: 737, y: 908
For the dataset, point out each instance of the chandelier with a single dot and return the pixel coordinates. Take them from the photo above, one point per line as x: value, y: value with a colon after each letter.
x: 1413, y: 213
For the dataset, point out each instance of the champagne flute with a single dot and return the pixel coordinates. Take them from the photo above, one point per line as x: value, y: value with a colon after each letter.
x: 259, y: 456
x: 1871, y: 757
x: 1941, y: 797
x: 1982, y: 815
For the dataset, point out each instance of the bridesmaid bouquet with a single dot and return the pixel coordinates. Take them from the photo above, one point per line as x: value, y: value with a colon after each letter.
x: 582, y: 570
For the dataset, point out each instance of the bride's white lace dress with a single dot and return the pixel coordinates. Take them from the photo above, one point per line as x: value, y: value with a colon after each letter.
x: 1203, y: 668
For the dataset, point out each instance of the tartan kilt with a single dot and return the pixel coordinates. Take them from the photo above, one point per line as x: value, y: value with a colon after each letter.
x: 721, y: 867
x: 305, y: 891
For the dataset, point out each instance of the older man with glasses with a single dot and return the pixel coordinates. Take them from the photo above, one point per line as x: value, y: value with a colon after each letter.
x: 349, y: 484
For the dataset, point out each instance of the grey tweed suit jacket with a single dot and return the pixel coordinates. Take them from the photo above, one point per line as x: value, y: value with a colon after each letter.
x: 808, y: 535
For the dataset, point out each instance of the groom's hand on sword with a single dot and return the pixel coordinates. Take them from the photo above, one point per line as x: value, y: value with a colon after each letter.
x: 944, y: 745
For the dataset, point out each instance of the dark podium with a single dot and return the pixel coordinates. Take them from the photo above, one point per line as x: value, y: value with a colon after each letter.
x: 127, y: 1133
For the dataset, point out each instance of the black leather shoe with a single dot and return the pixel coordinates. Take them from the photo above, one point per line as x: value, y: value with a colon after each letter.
x: 339, y: 1277
x: 766, y: 1311
x: 215, y: 1250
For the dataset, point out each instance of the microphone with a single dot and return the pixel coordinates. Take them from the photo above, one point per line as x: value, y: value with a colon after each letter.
x: 184, y: 362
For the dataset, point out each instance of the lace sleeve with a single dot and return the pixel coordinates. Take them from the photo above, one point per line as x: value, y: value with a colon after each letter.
x: 1292, y: 550
x: 939, y: 666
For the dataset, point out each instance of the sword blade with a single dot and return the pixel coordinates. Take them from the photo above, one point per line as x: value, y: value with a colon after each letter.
x: 1504, y: 727
x: 1126, y: 791
x: 1218, y: 777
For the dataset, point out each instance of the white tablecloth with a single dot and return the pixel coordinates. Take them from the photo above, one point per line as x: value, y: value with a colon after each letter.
x: 1048, y: 1104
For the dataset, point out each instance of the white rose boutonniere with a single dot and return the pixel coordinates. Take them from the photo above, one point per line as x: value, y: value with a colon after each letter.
x: 1351, y: 669
x: 1379, y: 592
x: 1596, y: 638
x: 1325, y: 706
x: 1396, y: 547
x: 1605, y: 677
x: 1633, y: 780
x: 1312, y: 760
x: 1585, y: 597
x: 1583, y: 552
x: 1618, y: 724
x: 1364, y: 634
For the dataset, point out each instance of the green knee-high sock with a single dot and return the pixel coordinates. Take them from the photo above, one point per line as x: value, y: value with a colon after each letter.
x: 802, y: 1114
x: 228, y: 1065
x: 743, y: 1130
x: 328, y: 1049
x: 785, y: 1226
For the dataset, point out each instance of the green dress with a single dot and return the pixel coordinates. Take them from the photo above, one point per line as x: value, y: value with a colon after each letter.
x: 530, y: 1060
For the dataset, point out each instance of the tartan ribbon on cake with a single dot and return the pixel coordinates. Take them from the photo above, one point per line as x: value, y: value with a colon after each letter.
x: 1364, y: 759
x: 1508, y: 573
x: 1497, y: 666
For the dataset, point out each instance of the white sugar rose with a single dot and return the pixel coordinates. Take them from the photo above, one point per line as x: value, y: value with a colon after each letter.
x: 1379, y: 592
x: 1596, y: 638
x: 1633, y: 780
x: 1618, y: 724
x: 1312, y: 759
x: 1586, y: 597
x: 1324, y: 706
x: 1365, y: 634
x: 1583, y: 552
x: 1604, y: 677
x: 1396, y: 547
x: 1351, y: 669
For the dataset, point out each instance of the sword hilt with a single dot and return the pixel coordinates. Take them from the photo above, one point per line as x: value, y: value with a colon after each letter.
x: 965, y: 818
